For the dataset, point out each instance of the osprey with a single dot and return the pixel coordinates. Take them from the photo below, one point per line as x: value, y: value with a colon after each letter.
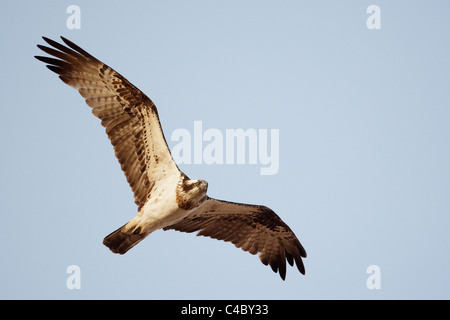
x: 166, y: 198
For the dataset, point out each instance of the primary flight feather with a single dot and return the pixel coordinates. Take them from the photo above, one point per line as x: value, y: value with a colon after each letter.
x: 165, y: 196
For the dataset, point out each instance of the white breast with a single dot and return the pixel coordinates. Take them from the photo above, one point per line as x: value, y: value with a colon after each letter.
x: 161, y: 209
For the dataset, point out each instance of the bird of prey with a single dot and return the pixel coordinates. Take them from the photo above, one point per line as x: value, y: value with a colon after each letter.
x: 166, y: 198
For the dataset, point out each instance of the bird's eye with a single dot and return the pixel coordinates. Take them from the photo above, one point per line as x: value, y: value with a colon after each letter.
x: 197, y: 184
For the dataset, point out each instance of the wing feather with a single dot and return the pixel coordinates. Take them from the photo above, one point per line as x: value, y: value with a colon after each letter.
x: 256, y: 229
x: 130, y: 118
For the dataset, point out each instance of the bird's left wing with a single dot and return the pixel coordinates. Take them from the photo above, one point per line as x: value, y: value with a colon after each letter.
x: 128, y: 115
x: 253, y: 228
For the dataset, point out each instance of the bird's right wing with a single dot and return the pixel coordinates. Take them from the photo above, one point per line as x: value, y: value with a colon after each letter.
x: 253, y: 228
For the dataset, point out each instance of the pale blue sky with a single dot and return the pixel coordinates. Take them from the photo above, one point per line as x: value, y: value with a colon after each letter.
x: 363, y: 118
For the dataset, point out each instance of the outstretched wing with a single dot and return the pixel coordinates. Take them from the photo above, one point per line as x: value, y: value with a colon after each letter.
x: 256, y: 229
x: 129, y: 116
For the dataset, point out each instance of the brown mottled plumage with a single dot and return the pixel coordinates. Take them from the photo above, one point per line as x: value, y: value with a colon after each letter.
x: 165, y: 196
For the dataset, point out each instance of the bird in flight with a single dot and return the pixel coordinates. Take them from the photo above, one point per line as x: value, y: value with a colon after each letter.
x: 166, y: 198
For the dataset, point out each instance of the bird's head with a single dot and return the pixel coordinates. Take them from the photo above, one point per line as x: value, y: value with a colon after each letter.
x: 191, y: 193
x: 195, y: 187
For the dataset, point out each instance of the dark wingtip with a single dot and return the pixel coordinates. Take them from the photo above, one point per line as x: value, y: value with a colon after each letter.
x: 65, y: 39
x: 45, y: 59
x: 55, y: 69
x: 48, y: 40
x: 76, y: 47
x: 300, y: 266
